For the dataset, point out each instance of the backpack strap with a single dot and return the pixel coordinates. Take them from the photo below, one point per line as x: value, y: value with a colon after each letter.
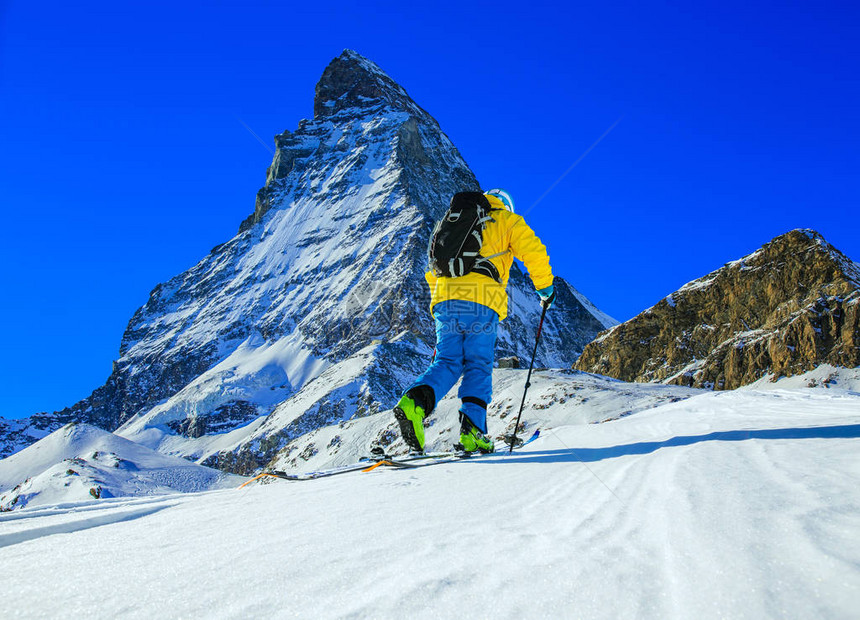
x: 486, y: 268
x: 497, y: 254
x: 456, y: 267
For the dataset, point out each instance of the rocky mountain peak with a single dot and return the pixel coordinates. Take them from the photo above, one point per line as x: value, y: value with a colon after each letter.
x: 797, y: 242
x: 352, y: 81
x: 786, y: 308
x: 810, y: 260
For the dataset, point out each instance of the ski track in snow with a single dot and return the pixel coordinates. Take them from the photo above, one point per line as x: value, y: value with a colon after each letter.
x: 77, y: 525
x: 740, y: 505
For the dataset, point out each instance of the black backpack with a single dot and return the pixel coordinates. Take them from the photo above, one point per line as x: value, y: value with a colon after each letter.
x: 455, y: 245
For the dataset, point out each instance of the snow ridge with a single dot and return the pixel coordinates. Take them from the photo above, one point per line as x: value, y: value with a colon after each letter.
x: 80, y: 462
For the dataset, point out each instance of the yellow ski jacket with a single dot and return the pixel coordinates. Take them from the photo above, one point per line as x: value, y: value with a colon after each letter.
x: 510, y: 236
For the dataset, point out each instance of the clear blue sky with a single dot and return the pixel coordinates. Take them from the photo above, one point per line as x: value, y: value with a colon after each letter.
x: 124, y: 160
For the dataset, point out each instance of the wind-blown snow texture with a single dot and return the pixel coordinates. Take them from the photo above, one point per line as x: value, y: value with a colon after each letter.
x: 736, y: 504
x: 331, y: 261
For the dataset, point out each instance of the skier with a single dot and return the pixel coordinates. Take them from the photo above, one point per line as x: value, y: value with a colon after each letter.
x: 467, y: 311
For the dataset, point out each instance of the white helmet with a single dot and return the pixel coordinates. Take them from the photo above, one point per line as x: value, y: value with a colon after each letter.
x: 504, y: 196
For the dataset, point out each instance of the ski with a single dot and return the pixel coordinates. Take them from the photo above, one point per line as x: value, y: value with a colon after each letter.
x: 309, y: 475
x: 326, y: 473
x: 457, y: 453
x: 406, y: 458
x: 380, y: 459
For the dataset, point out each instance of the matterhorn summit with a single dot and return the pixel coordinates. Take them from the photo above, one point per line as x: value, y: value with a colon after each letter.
x: 316, y: 312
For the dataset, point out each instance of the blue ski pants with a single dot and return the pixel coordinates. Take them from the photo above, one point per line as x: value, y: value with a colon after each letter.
x: 465, y: 345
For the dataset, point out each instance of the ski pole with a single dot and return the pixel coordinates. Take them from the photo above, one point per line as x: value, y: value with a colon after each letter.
x: 529, y: 376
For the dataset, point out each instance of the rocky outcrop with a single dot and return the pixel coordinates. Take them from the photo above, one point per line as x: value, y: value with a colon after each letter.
x: 351, y: 82
x: 784, y: 309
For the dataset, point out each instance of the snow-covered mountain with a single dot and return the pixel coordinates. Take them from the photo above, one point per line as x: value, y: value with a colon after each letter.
x: 740, y: 504
x: 787, y: 308
x: 80, y: 462
x: 232, y: 359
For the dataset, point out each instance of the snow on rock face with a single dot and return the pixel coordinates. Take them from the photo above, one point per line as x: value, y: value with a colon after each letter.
x: 782, y: 310
x: 330, y: 262
x: 81, y: 462
x: 18, y: 434
x: 825, y: 377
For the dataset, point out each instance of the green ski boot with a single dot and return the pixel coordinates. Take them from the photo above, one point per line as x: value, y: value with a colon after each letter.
x: 472, y: 439
x: 410, y: 413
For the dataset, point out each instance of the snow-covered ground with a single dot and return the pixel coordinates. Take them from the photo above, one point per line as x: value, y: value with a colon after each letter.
x: 557, y: 397
x: 740, y: 504
x: 80, y: 462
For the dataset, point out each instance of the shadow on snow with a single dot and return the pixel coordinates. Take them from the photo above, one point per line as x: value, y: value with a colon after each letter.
x: 590, y: 455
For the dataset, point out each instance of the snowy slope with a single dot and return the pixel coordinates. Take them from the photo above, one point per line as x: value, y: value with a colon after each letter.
x: 347, y: 389
x: 737, y: 504
x: 81, y: 462
x: 331, y: 420
x: 555, y: 398
x: 824, y: 377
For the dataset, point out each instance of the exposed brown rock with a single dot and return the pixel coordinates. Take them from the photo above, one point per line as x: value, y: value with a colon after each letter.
x: 785, y: 309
